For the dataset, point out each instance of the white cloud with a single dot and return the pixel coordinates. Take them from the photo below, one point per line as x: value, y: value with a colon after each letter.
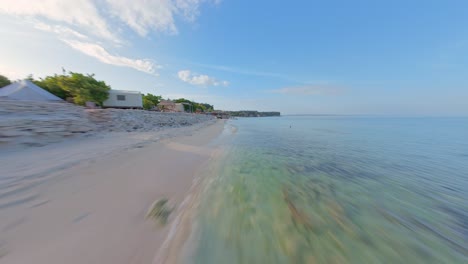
x: 241, y: 71
x: 98, y: 52
x: 159, y: 15
x: 84, y: 23
x: 83, y: 14
x: 200, y: 79
x: 309, y: 90
x: 142, y: 16
x: 62, y: 31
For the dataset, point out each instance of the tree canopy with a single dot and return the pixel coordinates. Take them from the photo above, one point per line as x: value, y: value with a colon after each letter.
x: 150, y: 101
x: 4, y: 81
x: 79, y: 87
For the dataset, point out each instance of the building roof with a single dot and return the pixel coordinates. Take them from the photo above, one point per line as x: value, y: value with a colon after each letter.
x: 124, y: 91
x: 25, y: 90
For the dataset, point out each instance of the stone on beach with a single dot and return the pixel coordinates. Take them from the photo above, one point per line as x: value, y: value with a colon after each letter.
x: 46, y: 122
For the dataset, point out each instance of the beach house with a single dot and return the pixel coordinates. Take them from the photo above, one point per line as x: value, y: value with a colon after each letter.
x: 124, y: 99
x: 170, y: 106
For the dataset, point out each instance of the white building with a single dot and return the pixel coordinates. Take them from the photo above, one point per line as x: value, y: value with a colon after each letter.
x: 124, y: 99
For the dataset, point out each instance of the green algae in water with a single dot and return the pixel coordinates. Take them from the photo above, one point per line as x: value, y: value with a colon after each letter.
x: 266, y: 206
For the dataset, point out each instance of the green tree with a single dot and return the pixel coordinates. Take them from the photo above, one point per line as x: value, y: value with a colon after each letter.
x: 85, y: 88
x: 182, y: 100
x: 51, y: 84
x: 186, y: 102
x: 80, y: 87
x: 208, y: 107
x: 147, y: 104
x: 4, y: 81
x: 30, y: 77
x: 150, y: 101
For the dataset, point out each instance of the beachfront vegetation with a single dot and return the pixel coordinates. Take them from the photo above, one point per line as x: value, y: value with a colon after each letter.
x: 76, y: 87
x: 150, y: 101
x: 195, y: 106
x: 81, y: 88
x: 4, y: 81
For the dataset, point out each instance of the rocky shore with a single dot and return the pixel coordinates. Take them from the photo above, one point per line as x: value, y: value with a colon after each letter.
x: 39, y: 123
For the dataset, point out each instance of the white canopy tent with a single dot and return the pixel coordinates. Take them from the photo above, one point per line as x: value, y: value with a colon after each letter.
x: 25, y: 90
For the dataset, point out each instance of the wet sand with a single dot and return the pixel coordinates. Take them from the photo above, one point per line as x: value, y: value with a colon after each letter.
x: 90, y: 205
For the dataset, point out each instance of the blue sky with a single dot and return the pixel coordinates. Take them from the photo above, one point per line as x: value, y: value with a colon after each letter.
x: 298, y: 57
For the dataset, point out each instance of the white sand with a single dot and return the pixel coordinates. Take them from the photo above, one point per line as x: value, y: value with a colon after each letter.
x: 85, y: 200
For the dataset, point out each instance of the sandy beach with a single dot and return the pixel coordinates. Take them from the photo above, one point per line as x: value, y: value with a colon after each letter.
x: 86, y: 200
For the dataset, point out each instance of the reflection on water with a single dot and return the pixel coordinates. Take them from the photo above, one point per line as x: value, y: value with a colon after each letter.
x: 338, y: 190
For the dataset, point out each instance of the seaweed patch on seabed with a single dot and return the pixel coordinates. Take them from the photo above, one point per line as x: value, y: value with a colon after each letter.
x: 159, y: 211
x: 297, y: 216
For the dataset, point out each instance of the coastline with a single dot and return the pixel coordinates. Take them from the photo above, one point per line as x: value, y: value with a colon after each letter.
x: 181, y: 241
x: 90, y: 206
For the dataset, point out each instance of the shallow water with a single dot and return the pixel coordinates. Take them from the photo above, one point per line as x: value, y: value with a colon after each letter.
x: 333, y: 189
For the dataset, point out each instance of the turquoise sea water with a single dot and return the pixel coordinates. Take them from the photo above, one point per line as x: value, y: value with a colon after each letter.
x: 332, y: 189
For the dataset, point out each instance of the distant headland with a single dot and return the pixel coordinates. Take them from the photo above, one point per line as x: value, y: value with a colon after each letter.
x: 248, y: 113
x: 243, y: 113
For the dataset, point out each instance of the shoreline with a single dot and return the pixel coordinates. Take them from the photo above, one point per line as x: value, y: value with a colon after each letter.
x: 180, y: 242
x: 180, y: 245
x: 93, y: 210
